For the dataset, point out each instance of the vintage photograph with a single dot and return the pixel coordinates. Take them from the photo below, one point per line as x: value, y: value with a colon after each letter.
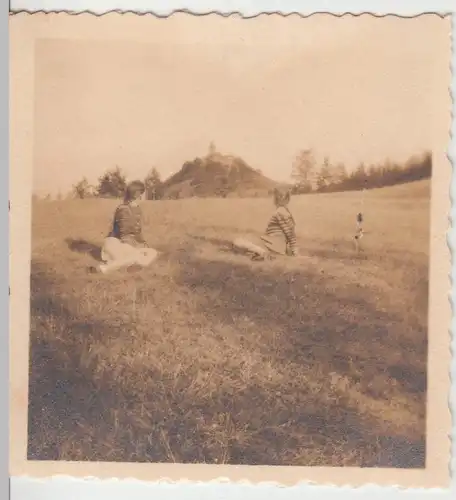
x: 231, y: 242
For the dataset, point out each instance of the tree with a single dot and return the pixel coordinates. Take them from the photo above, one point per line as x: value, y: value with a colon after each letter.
x: 303, y: 170
x: 81, y: 189
x: 154, y: 185
x: 340, y: 173
x: 325, y: 176
x: 357, y: 179
x: 112, y: 184
x: 361, y: 176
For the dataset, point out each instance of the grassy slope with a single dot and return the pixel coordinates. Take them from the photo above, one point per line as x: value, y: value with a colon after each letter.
x: 209, y: 357
x: 214, y: 176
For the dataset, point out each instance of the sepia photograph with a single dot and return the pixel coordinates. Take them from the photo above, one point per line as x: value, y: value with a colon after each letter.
x: 231, y: 240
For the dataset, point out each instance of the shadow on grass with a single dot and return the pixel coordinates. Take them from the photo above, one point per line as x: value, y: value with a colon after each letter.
x: 59, y: 391
x: 312, y: 325
x: 71, y: 407
x: 85, y: 247
x: 222, y: 245
x: 342, y: 251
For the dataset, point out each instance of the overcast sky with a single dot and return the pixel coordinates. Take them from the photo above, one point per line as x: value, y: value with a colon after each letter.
x: 353, y: 89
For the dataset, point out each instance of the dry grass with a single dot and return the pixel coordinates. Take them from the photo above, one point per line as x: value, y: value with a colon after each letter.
x: 209, y: 357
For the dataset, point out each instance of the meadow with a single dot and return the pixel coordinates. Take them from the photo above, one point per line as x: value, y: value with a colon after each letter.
x: 210, y: 357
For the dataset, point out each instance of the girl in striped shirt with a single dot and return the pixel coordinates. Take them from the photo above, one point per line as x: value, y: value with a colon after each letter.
x: 280, y: 235
x: 125, y: 245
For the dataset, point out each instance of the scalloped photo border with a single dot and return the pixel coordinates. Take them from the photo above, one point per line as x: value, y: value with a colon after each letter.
x: 25, y: 28
x: 244, y: 8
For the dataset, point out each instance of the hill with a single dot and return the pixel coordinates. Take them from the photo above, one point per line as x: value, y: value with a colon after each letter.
x: 217, y: 175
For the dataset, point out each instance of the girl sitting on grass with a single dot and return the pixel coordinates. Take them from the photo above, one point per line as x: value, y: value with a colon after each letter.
x: 280, y: 235
x: 125, y: 246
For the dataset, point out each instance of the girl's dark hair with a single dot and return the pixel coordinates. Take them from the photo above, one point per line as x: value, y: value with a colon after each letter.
x: 282, y: 197
x: 133, y: 188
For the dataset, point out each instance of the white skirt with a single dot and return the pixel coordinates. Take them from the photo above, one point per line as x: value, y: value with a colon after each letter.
x: 262, y: 244
x: 114, y: 250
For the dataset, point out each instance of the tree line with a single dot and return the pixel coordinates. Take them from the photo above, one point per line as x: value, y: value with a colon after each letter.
x: 113, y: 182
x: 307, y: 174
x: 310, y: 176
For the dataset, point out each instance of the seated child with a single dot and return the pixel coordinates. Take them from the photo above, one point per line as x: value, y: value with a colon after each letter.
x: 280, y: 236
x: 125, y: 245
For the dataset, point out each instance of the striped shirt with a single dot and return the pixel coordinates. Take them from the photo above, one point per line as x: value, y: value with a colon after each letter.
x: 127, y: 225
x: 282, y: 224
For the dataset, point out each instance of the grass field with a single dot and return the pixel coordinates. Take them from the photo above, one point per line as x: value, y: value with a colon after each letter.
x: 209, y: 357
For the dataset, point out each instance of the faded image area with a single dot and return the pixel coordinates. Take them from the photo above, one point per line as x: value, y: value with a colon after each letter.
x: 231, y: 244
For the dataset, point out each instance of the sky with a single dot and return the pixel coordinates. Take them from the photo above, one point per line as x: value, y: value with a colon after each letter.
x: 354, y: 89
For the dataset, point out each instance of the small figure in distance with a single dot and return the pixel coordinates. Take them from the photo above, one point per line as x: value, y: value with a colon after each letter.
x: 359, y: 231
